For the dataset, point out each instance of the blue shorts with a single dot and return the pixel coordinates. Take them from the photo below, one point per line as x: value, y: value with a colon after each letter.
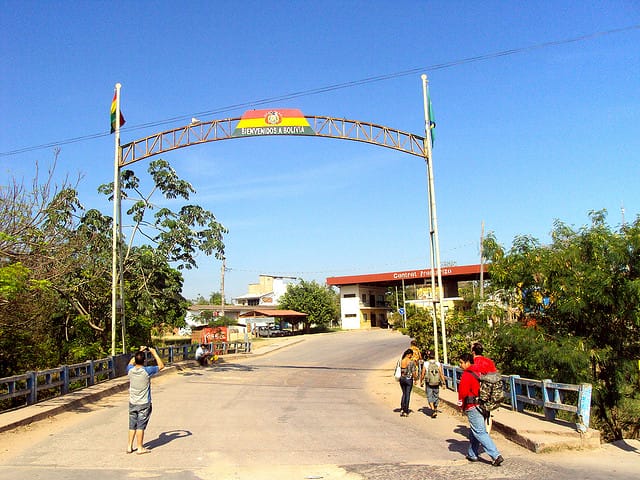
x: 139, y: 416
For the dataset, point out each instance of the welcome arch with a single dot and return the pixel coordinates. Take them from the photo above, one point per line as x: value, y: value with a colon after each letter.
x: 197, y: 133
x: 280, y: 122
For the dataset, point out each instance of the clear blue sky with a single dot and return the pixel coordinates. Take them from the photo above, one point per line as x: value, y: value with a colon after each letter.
x: 522, y: 140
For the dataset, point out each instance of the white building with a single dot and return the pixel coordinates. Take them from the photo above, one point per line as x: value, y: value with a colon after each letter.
x: 266, y: 292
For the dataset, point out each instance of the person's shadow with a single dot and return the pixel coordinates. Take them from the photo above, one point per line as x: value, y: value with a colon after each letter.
x: 166, y: 437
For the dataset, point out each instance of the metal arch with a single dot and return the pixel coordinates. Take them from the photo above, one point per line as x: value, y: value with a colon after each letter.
x: 214, y: 130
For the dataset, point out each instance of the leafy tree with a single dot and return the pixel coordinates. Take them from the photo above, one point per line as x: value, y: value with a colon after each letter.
x: 583, y: 291
x: 176, y: 235
x: 319, y: 302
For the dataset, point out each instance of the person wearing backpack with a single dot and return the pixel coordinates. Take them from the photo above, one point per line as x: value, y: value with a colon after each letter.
x: 434, y: 376
x: 468, y: 392
x: 482, y: 364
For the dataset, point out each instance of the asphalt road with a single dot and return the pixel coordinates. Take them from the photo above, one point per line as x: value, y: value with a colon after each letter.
x: 320, y: 409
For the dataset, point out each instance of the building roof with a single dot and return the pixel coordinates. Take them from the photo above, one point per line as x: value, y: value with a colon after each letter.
x: 252, y: 295
x: 227, y: 308
x: 273, y: 313
x: 460, y: 273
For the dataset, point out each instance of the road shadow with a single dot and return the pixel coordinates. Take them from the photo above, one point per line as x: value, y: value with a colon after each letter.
x: 166, y: 437
x: 625, y: 446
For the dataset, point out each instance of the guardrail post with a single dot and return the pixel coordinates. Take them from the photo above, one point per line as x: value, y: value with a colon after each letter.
x: 584, y: 407
x: 32, y: 385
x: 92, y: 373
x: 111, y: 364
x: 515, y: 390
x: 170, y: 353
x: 549, y: 413
x: 64, y: 373
x: 455, y: 379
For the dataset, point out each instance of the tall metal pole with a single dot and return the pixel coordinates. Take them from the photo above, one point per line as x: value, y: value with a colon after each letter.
x: 482, y: 262
x: 222, y: 270
x: 115, y: 226
x: 433, y: 223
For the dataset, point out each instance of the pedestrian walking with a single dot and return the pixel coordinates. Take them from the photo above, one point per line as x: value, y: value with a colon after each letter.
x: 468, y: 392
x: 140, y: 396
x: 482, y: 364
x: 409, y: 373
x: 417, y: 356
x: 433, y: 376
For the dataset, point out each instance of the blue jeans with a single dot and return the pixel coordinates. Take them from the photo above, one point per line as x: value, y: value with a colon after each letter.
x: 406, y: 384
x: 478, y: 435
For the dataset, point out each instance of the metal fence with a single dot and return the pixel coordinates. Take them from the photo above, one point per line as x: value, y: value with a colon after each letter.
x: 32, y: 387
x: 547, y: 395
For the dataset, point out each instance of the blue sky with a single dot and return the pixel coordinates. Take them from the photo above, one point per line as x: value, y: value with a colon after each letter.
x: 522, y: 140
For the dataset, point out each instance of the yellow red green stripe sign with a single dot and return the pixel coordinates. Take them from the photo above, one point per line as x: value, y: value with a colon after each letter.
x: 281, y: 121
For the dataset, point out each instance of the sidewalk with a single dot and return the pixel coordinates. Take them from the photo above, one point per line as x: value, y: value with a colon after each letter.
x: 533, y: 431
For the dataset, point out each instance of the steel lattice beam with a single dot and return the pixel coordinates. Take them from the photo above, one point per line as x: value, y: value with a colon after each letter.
x: 214, y: 130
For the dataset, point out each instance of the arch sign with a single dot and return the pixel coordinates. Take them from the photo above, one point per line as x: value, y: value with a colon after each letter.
x: 287, y: 121
x: 280, y: 121
x: 274, y: 121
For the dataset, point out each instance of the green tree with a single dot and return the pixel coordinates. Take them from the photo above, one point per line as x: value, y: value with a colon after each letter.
x: 583, y: 292
x: 180, y: 235
x: 319, y: 302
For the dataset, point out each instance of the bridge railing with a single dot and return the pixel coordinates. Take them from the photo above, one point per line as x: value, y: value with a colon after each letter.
x: 34, y: 386
x: 21, y: 390
x: 547, y: 395
x: 175, y: 353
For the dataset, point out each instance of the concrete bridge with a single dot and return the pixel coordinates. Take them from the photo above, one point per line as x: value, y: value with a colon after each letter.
x: 318, y: 406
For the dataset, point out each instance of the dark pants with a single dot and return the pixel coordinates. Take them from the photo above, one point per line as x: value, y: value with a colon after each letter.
x: 406, y: 384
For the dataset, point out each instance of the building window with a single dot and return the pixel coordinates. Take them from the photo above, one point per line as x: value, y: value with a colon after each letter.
x: 253, y: 302
x: 349, y: 295
x: 364, y: 298
x: 348, y: 315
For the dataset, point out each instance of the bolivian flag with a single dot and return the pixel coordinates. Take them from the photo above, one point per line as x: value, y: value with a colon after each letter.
x: 113, y: 113
x: 282, y: 121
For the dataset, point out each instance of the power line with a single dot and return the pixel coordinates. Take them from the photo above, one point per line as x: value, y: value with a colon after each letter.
x: 330, y: 88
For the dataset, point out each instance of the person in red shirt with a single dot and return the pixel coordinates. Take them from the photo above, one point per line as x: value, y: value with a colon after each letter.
x: 482, y: 364
x: 468, y: 391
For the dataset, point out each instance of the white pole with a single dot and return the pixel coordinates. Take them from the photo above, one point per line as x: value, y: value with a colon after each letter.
x: 482, y: 262
x: 435, y: 244
x: 115, y: 226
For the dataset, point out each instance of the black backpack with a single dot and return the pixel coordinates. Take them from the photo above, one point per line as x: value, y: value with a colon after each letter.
x: 491, y: 394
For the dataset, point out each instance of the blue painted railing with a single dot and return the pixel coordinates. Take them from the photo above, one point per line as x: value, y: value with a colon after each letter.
x: 550, y: 396
x: 56, y: 381
x: 32, y: 387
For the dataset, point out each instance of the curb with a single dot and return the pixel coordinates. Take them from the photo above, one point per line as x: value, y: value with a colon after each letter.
x: 544, y: 437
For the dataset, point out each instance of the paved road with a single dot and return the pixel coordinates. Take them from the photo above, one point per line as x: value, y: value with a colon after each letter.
x: 322, y: 408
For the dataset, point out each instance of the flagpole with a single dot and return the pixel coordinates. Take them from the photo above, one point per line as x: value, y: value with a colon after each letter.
x: 116, y: 225
x: 433, y: 219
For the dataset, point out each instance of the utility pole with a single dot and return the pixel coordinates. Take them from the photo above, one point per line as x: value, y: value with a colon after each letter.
x: 481, y: 262
x: 222, y: 270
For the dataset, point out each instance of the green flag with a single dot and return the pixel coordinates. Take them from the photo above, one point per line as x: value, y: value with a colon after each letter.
x: 432, y: 123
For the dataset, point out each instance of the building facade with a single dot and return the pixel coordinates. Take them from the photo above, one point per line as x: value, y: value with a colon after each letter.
x: 364, y: 299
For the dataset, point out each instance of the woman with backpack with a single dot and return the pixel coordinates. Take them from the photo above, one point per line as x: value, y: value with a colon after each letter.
x: 409, y: 373
x: 434, y: 376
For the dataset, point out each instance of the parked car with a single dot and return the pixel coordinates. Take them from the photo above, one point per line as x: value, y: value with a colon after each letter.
x: 269, y: 331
